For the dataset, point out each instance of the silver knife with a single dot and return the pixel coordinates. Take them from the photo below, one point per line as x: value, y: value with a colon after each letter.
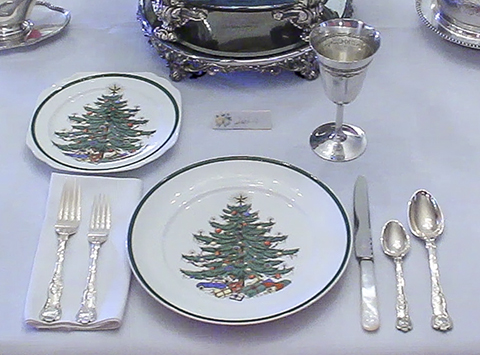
x: 364, y: 253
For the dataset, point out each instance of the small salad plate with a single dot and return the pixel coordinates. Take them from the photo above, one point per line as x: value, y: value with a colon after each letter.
x: 239, y: 240
x: 105, y: 122
x: 46, y: 21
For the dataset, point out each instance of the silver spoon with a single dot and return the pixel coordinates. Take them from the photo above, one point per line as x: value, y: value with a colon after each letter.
x: 396, y: 244
x: 426, y: 222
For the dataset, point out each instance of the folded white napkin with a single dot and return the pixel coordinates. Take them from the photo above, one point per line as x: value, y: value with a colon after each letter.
x: 113, y: 272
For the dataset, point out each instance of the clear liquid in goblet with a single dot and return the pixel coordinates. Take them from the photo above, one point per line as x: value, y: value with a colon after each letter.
x: 344, y: 48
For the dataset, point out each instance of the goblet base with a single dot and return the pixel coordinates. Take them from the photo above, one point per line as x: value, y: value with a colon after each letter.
x: 348, y: 144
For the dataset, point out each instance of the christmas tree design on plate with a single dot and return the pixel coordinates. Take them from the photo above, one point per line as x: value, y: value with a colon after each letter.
x: 240, y: 257
x: 107, y: 131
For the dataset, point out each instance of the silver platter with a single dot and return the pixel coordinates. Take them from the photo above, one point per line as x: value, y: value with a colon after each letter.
x: 430, y: 15
x: 47, y: 21
x: 236, y: 39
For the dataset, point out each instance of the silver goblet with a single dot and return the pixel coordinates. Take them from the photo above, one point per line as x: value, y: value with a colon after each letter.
x: 344, y: 48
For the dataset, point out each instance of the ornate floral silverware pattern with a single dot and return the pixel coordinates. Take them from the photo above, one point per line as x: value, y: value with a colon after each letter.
x: 427, y: 223
x: 68, y: 220
x: 396, y: 244
x: 100, y: 224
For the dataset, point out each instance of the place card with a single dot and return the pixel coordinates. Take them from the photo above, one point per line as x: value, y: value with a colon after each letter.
x: 254, y: 119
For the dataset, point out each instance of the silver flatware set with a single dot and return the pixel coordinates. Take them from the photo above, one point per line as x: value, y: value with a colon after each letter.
x: 426, y: 222
x: 67, y: 225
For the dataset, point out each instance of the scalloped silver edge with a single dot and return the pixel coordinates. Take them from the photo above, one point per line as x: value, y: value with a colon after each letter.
x: 428, y: 12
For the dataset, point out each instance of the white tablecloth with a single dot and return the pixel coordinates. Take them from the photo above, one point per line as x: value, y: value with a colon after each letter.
x: 419, y: 107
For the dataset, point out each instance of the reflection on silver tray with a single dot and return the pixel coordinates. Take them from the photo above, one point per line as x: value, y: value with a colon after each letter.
x: 47, y: 20
x: 262, y: 38
x: 429, y: 13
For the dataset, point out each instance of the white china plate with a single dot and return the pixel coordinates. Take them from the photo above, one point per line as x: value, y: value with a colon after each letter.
x: 430, y: 15
x: 88, y: 95
x: 192, y: 200
x: 47, y: 20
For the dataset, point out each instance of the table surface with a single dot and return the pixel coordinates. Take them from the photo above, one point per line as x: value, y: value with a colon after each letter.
x: 419, y: 107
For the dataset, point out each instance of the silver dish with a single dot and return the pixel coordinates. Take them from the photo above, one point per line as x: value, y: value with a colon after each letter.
x: 46, y: 21
x: 215, y: 38
x: 455, y: 32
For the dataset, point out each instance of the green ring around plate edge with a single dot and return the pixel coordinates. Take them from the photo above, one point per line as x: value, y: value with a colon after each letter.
x: 275, y: 316
x: 103, y: 75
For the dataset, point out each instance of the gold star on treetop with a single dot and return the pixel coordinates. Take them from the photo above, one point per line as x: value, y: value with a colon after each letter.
x: 241, y: 199
x: 114, y: 89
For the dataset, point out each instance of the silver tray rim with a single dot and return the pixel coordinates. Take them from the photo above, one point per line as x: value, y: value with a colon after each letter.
x: 46, y: 31
x: 431, y: 16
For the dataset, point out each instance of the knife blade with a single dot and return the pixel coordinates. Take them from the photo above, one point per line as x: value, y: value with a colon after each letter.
x: 363, y: 250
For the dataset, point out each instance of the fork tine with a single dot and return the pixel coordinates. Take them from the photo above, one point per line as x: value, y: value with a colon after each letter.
x: 77, y: 202
x: 94, y: 215
x: 98, y: 212
x: 100, y: 218
x: 72, y: 203
x: 66, y: 209
x: 108, y: 214
x: 101, y: 212
x: 63, y: 201
x: 105, y: 213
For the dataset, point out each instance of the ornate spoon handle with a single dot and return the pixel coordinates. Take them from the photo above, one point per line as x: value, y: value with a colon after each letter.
x: 403, y: 318
x: 88, y: 309
x: 440, y: 319
x: 52, y: 310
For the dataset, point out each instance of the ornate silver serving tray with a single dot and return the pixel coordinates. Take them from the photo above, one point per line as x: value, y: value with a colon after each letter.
x: 198, y: 37
x: 458, y: 23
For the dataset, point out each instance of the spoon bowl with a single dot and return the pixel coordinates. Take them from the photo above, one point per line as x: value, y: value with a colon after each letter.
x: 425, y: 216
x: 395, y: 240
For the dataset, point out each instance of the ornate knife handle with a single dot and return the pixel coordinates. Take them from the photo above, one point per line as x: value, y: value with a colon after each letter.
x: 440, y: 319
x: 52, y: 310
x: 369, y: 308
x: 403, y: 318
x: 88, y: 309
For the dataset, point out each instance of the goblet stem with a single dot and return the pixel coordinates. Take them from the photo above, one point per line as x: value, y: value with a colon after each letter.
x: 339, y: 135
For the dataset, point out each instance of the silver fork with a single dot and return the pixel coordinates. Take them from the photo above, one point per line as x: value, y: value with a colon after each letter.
x: 99, y: 229
x: 67, y: 223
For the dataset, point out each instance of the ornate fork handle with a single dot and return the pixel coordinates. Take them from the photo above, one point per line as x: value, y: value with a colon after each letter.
x: 440, y: 319
x: 52, y: 310
x: 88, y: 309
x: 403, y: 318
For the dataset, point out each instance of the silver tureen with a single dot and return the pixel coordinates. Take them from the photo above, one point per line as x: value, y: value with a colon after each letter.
x: 198, y: 37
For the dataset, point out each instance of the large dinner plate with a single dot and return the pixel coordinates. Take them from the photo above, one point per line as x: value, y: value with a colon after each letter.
x: 239, y: 240
x: 105, y: 122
